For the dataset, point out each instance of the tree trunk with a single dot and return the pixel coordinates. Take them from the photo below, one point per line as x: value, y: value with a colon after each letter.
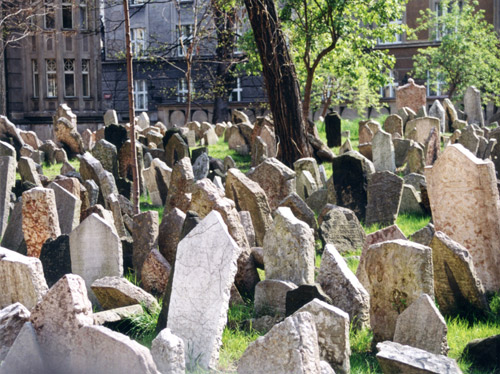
x: 281, y: 81
x: 226, y: 40
x: 130, y: 81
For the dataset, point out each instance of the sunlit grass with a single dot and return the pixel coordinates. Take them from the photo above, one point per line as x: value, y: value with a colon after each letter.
x: 221, y: 150
x: 52, y: 171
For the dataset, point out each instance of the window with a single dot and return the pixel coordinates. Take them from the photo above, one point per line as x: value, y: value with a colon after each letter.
x: 182, y: 90
x: 185, y: 39
x: 84, y: 15
x: 69, y: 77
x: 397, y: 37
x: 435, y: 85
x: 49, y: 19
x: 441, y: 12
x: 67, y: 14
x: 36, y: 78
x: 86, y: 78
x: 140, y: 95
x: 137, y: 40
x: 136, y: 2
x: 236, y: 92
x: 389, y: 91
x: 51, y: 70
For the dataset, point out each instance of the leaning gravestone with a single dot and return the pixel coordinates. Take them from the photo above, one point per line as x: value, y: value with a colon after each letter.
x: 40, y: 220
x: 469, y: 139
x: 12, y: 319
x: 333, y: 129
x: 411, y: 95
x: 457, y: 286
x: 68, y: 208
x: 423, y: 127
x: 472, y: 106
x: 350, y: 177
x: 7, y: 181
x: 145, y: 236
x: 107, y: 154
x: 27, y: 171
x: 13, y: 235
x: 21, y: 278
x: 384, y: 198
x: 342, y: 286
x: 96, y: 251
x: 398, y: 272
x: 110, y: 117
x: 157, y: 180
x: 56, y: 259
x: 289, y: 249
x: 464, y: 197
x: 383, y: 152
x: 394, y: 125
x: 438, y: 111
x: 199, y: 321
x: 409, y: 331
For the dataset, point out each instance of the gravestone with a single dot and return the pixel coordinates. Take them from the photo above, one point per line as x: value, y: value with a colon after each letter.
x: 393, y: 124
x: 276, y: 179
x: 411, y: 95
x: 432, y: 147
x: 464, y: 197
x: 457, y: 285
x: 181, y: 180
x: 246, y: 222
x: 423, y: 127
x: 438, y: 112
x: 270, y: 297
x: 472, y: 106
x: 409, y: 331
x: 289, y: 249
x: 398, y: 272
x: 107, y: 155
x: 116, y: 135
x: 415, y: 159
x: 96, y: 251
x: 169, y: 234
x: 342, y: 286
x: 168, y: 353
x: 65, y: 133
x: 469, y: 139
x: 155, y: 274
x: 340, y: 227
x: 40, y: 219
x: 56, y: 259
x: 110, y: 117
x: 13, y: 235
x: 365, y: 134
x: 12, y: 319
x: 201, y: 166
x: 333, y: 129
x: 249, y: 196
x: 210, y: 251
x: 7, y: 150
x: 384, y: 197
x: 383, y: 152
x: 157, y: 179
x: 27, y: 171
x: 7, y: 181
x: 21, y: 278
x: 175, y: 149
x: 350, y: 177
x: 145, y: 237
x: 68, y: 208
x: 411, y: 202
x: 300, y: 209
x: 401, y: 148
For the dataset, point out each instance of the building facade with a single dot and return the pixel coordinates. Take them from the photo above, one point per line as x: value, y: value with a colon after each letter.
x: 161, y: 36
x: 58, y: 62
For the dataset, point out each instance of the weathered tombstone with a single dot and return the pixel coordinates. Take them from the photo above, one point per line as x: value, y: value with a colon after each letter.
x: 333, y: 128
x: 424, y: 235
x: 259, y: 151
x: 12, y: 319
x: 107, y: 155
x: 117, y: 292
x: 456, y: 284
x: 96, y: 251
x: 308, y: 164
x: 384, y: 197
x: 40, y: 220
x: 168, y: 353
x: 170, y: 233
x: 181, y: 180
x: 300, y: 209
x: 7, y: 150
x: 114, y: 207
x: 276, y: 179
x: 398, y: 272
x: 464, y: 200
x: 7, y: 181
x: 200, y: 324
x: 21, y: 278
x: 409, y: 331
x: 157, y: 179
x: 342, y: 286
x: 304, y: 294
x: 365, y: 134
x: 393, y: 124
x: 350, y: 176
x: 383, y: 152
x: 27, y: 170
x: 438, y: 112
x: 401, y: 147
x: 110, y: 117
x: 469, y: 139
x: 13, y: 235
x: 68, y: 208
x: 397, y: 358
x: 451, y: 115
x: 423, y: 127
x: 56, y: 259
x: 411, y: 95
x: 246, y: 222
x: 155, y: 274
x: 289, y: 249
x: 340, y: 227
x: 294, y: 349
x: 411, y: 202
x: 145, y: 237
x: 116, y: 135
x: 175, y: 149
x: 65, y: 132
x: 472, y: 106
x: 270, y: 297
x: 249, y: 196
x: 432, y: 147
x: 201, y: 166
x: 415, y: 159
x: 305, y: 184
x: 210, y: 137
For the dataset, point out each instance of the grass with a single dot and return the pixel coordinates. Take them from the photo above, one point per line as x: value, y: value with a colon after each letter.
x: 221, y: 150
x: 145, y: 206
x: 52, y: 171
x: 408, y: 223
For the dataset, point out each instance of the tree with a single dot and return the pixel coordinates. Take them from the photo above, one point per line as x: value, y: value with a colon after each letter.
x: 466, y: 51
x: 337, y: 38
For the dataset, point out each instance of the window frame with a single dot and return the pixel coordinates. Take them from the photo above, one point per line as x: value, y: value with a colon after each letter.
x: 50, y: 15
x: 69, y: 72
x: 84, y: 15
x: 398, y: 37
x: 184, y: 39
x: 35, y: 74
x: 140, y: 93
x: 86, y: 81
x: 238, y: 90
x: 51, y: 76
x: 65, y: 6
x: 437, y: 86
x: 392, y: 87
x: 138, y: 46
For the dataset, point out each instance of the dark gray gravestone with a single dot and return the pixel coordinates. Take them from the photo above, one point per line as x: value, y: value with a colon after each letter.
x: 116, y: 135
x: 333, y: 129
x: 384, y: 197
x: 297, y: 298
x: 56, y: 259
